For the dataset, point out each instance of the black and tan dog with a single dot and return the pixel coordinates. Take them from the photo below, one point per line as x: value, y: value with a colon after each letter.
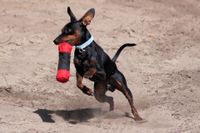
x: 93, y: 63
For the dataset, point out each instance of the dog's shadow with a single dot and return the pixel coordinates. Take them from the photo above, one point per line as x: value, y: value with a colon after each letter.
x: 72, y: 116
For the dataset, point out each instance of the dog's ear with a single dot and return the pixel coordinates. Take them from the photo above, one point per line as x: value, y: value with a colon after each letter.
x: 72, y: 16
x: 87, y: 18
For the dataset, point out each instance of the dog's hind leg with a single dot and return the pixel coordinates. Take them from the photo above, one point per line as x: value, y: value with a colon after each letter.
x: 119, y: 81
x: 99, y: 93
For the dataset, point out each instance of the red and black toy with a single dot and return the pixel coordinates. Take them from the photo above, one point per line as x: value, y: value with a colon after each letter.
x: 63, y: 73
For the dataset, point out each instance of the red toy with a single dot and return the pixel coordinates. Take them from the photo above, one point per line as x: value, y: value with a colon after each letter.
x: 63, y: 73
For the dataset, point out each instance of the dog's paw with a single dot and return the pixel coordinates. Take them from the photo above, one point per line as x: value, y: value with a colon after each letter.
x: 87, y: 91
x: 139, y: 119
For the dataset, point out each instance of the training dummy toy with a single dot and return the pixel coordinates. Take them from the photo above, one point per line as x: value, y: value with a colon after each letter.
x: 63, y: 72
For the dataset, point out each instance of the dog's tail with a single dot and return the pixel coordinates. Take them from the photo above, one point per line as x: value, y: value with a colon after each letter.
x: 120, y: 50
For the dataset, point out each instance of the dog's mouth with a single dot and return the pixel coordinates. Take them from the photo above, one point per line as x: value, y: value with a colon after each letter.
x: 70, y: 39
x: 72, y: 42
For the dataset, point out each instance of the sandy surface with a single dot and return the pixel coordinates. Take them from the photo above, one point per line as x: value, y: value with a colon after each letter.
x: 163, y: 71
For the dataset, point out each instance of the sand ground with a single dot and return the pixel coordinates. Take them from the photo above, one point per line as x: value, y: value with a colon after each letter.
x: 162, y: 71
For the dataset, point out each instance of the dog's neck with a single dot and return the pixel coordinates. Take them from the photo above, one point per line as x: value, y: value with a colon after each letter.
x: 87, y: 41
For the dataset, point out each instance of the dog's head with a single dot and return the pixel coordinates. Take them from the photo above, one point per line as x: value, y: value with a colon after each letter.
x: 75, y: 32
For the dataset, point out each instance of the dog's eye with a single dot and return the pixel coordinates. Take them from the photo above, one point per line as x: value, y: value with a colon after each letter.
x: 67, y: 31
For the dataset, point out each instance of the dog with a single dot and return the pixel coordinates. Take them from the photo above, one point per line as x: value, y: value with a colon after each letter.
x: 93, y: 63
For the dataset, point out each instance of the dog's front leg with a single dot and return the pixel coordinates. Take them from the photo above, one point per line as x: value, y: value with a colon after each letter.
x: 83, y: 88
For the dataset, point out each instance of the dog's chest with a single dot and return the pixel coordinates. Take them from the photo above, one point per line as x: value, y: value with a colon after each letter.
x: 89, y: 67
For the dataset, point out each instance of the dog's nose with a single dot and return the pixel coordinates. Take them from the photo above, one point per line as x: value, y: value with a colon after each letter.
x: 56, y: 41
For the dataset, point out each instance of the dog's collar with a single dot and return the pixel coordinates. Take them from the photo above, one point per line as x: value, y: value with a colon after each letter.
x: 85, y: 44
